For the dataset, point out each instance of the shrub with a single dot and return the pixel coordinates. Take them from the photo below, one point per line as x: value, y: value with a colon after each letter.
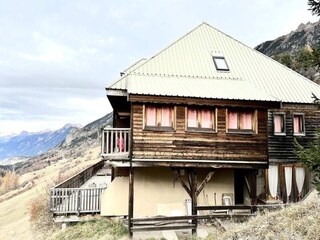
x: 40, y: 218
x: 9, y: 182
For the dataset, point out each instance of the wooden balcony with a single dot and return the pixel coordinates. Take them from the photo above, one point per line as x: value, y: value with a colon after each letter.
x: 72, y: 196
x: 115, y: 143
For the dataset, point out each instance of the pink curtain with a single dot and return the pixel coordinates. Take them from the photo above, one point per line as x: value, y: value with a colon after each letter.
x: 166, y: 117
x: 246, y: 120
x: 206, y: 119
x: 151, y: 116
x: 232, y: 120
x: 278, y: 123
x: 192, y: 118
x: 297, y: 124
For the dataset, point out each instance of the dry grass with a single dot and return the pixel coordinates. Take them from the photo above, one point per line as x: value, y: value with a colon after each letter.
x: 99, y: 229
x: 300, y: 221
x: 15, y: 210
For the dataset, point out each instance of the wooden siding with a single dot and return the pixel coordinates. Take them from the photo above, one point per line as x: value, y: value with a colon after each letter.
x: 181, y: 144
x: 281, y: 148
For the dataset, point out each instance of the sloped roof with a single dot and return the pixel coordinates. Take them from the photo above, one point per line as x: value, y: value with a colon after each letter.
x: 187, y: 64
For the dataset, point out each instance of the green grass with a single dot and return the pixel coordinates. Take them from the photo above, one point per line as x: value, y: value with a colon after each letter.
x: 98, y: 229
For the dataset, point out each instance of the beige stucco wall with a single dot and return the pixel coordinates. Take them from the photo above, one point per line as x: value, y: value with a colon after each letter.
x: 158, y: 192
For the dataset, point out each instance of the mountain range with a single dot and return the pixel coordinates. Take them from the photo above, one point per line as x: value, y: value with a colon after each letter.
x: 305, y: 35
x: 32, y: 144
x: 298, y: 50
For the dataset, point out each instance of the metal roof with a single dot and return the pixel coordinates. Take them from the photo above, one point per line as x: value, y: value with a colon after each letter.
x: 195, y: 87
x: 190, y: 57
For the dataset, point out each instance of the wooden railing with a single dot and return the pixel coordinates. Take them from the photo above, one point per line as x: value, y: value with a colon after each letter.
x: 75, y: 200
x: 67, y: 197
x: 80, y: 178
x: 115, y: 142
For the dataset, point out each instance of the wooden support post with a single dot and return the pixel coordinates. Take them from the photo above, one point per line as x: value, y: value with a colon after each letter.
x: 176, y: 173
x: 193, y: 187
x: 204, y: 182
x: 131, y: 192
x: 251, y: 183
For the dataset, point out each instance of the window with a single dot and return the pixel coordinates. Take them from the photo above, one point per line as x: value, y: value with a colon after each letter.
x: 220, y: 63
x: 279, y: 124
x: 159, y: 117
x: 200, y: 119
x: 241, y: 121
x: 298, y: 124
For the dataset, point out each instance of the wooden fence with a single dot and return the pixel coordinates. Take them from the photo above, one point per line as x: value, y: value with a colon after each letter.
x: 80, y: 178
x: 75, y: 200
x: 190, y: 222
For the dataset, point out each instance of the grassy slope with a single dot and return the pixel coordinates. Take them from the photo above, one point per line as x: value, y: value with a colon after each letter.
x: 14, y: 217
x: 299, y: 221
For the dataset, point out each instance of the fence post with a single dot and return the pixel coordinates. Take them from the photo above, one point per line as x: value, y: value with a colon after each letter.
x: 79, y: 201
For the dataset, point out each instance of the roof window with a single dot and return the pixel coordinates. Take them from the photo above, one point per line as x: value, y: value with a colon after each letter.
x: 220, y: 63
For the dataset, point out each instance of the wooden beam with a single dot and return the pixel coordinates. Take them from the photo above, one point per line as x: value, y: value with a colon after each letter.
x: 204, y: 182
x: 247, y: 185
x: 176, y: 173
x: 131, y: 192
x: 193, y: 187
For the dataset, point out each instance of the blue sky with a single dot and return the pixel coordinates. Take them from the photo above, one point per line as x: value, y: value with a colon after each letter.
x: 56, y: 57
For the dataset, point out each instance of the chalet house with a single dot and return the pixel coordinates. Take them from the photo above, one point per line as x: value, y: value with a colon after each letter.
x: 206, y: 121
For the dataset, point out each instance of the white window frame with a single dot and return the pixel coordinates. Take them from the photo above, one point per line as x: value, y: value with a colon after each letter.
x: 283, y: 114
x: 303, y: 133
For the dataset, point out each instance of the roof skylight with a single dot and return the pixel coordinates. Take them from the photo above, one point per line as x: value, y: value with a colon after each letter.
x: 220, y: 63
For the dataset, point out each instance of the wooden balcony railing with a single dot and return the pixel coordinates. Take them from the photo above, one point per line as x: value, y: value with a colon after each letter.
x: 115, y: 143
x: 75, y: 200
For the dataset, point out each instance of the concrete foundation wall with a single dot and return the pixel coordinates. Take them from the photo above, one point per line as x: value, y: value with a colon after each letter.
x: 158, y: 192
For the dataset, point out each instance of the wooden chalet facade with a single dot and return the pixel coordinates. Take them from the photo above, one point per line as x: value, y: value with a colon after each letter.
x: 199, y: 124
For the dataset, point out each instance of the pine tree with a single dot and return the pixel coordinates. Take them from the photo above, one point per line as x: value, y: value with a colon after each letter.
x: 314, y: 7
x: 310, y: 157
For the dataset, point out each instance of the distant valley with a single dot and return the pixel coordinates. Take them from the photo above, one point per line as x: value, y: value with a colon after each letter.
x: 30, y: 145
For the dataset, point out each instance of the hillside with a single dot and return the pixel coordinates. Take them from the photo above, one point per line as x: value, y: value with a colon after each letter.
x: 305, y: 35
x: 296, y: 50
x: 75, y: 144
x: 80, y: 149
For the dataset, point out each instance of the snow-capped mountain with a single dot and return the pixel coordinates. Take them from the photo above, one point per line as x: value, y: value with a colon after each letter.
x: 32, y: 144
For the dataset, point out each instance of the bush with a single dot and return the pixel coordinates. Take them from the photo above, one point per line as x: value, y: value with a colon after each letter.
x: 9, y: 182
x: 40, y: 218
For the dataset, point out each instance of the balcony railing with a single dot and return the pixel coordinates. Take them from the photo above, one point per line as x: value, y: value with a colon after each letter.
x: 75, y: 200
x: 115, y: 143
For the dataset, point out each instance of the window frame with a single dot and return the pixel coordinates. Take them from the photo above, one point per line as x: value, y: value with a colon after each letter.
x: 303, y: 133
x: 253, y: 130
x: 199, y: 128
x: 158, y: 126
x: 283, y: 114
x: 227, y: 69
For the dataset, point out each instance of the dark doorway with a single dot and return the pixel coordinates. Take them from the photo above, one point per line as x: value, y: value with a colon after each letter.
x: 238, y: 186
